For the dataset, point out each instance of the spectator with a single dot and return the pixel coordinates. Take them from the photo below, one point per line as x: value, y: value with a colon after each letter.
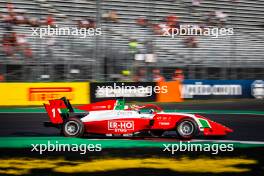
x: 133, y: 46
x: 157, y: 77
x: 142, y: 21
x: 141, y: 75
x: 178, y: 75
x: 125, y: 76
x: 8, y: 22
x: 9, y: 43
x: 111, y: 16
x: 172, y: 21
x: 2, y: 78
x: 24, y: 46
x: 12, y: 41
x: 86, y: 24
x: 10, y: 7
x: 34, y: 22
x: 92, y: 23
x: 191, y: 42
x: 20, y: 19
x: 196, y: 3
x: 209, y: 19
x: 221, y: 17
x: 160, y: 29
x: 82, y: 23
x: 50, y: 21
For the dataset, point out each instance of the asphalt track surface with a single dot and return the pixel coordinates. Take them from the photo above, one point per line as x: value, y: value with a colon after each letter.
x: 145, y: 161
x: 246, y: 127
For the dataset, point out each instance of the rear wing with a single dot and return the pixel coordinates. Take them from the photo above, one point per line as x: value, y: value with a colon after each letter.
x: 58, y: 110
x: 67, y: 103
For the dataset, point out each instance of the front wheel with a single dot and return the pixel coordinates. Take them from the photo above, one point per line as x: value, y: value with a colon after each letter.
x: 186, y: 128
x: 73, y: 127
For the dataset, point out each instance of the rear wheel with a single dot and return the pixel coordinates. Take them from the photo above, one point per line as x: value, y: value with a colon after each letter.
x: 186, y: 128
x: 73, y: 127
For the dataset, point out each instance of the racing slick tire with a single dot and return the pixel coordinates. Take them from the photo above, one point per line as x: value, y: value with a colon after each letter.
x: 156, y: 133
x: 186, y: 128
x: 73, y: 127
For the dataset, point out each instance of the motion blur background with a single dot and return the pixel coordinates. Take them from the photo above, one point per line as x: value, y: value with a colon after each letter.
x: 227, y: 71
x: 131, y: 46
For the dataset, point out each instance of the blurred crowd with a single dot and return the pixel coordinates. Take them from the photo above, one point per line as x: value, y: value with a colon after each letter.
x: 13, y: 42
x: 172, y: 21
x: 154, y: 75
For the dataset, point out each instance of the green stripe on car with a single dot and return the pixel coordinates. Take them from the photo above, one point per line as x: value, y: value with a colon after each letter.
x: 120, y: 105
x: 204, y: 123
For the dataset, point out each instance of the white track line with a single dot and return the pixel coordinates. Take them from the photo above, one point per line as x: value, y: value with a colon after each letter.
x: 228, y: 141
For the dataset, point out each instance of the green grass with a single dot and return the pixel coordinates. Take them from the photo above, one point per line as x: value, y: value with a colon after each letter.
x: 26, y: 142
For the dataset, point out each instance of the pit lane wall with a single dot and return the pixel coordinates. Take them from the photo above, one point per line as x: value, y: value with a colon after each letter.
x: 220, y: 89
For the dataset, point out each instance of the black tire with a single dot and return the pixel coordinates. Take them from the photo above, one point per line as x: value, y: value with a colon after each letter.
x: 186, y: 128
x: 73, y: 127
x: 156, y: 133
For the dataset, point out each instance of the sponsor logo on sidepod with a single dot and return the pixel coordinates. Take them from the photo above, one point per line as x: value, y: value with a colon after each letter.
x: 120, y: 126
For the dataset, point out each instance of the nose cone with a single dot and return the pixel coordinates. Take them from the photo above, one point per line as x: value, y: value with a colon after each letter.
x: 217, y: 129
x: 228, y: 130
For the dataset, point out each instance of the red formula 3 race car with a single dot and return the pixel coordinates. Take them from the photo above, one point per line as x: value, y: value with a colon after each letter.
x: 114, y: 118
